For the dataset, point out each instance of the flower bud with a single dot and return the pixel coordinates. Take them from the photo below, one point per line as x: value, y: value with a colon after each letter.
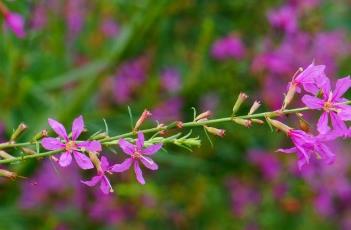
x: 28, y: 151
x: 5, y: 155
x: 94, y: 158
x: 20, y: 129
x: 203, y: 115
x: 241, y: 98
x: 160, y: 126
x: 99, y: 136
x: 279, y: 125
x: 8, y: 174
x: 179, y: 124
x: 254, y: 107
x: 303, y: 123
x: 257, y: 121
x: 241, y: 121
x: 146, y: 114
x: 215, y: 131
x: 289, y: 96
x: 40, y: 135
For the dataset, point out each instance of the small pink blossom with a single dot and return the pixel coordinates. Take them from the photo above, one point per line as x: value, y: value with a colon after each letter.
x: 330, y: 104
x: 228, y: 47
x: 105, y: 185
x: 16, y: 23
x: 137, y: 154
x: 70, y: 145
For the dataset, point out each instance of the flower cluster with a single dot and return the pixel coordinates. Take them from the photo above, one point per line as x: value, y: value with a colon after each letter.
x: 319, y: 96
x: 69, y: 145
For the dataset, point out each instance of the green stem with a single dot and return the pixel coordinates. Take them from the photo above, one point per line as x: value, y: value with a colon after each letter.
x: 110, y: 140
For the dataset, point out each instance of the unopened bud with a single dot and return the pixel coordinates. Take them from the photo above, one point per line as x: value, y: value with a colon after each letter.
x: 8, y: 174
x: 303, y: 123
x: 179, y: 124
x: 94, y: 158
x: 279, y: 125
x: 146, y: 114
x: 289, y: 96
x: 254, y: 107
x: 28, y: 151
x: 5, y: 155
x: 241, y: 121
x: 160, y: 126
x: 215, y: 131
x: 40, y: 135
x: 241, y: 98
x: 257, y: 121
x: 203, y: 115
x: 20, y: 129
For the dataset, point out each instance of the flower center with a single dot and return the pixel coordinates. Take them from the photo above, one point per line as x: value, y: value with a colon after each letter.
x: 136, y: 155
x: 70, y: 146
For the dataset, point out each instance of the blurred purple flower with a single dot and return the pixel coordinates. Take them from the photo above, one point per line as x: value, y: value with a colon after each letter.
x: 105, y: 185
x: 330, y: 103
x: 39, y: 16
x: 130, y: 76
x: 209, y: 101
x: 243, y: 195
x: 75, y: 16
x: 71, y: 146
x: 16, y: 23
x: 170, y: 80
x: 136, y: 153
x: 228, y: 47
x: 284, y: 18
x: 267, y: 163
x: 168, y: 110
x: 110, y: 28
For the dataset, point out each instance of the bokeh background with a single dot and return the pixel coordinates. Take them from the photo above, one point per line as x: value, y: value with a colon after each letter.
x: 96, y: 58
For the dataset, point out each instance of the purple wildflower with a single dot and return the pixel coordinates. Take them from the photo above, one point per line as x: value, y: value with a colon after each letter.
x: 330, y: 103
x: 16, y: 23
x: 285, y: 18
x: 71, y: 146
x: 105, y: 184
x: 170, y: 80
x: 137, y: 153
x: 306, y: 145
x: 228, y: 47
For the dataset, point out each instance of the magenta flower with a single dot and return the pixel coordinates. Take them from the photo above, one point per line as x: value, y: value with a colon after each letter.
x: 311, y: 79
x: 307, y: 145
x: 16, y: 23
x: 71, y: 146
x: 105, y: 185
x: 285, y: 18
x: 228, y: 47
x: 330, y: 103
x: 137, y: 153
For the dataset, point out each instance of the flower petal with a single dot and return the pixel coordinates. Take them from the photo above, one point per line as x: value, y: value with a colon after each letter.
x: 322, y: 125
x: 290, y: 150
x: 105, y: 185
x: 140, y: 140
x: 325, y: 153
x: 65, y: 159
x: 152, y: 149
x: 138, y: 173
x: 104, y: 163
x: 82, y: 160
x: 345, y: 113
x: 50, y: 143
x: 92, y: 146
x: 338, y: 124
x: 93, y: 181
x: 58, y: 128
x: 342, y: 85
x: 127, y: 147
x: 149, y: 163
x: 312, y: 102
x: 77, y: 127
x: 125, y: 165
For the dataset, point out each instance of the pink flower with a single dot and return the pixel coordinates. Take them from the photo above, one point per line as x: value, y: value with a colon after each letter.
x: 285, y: 18
x: 307, y: 145
x: 137, y: 153
x: 330, y: 103
x: 105, y: 185
x: 228, y: 47
x: 71, y: 146
x: 16, y: 24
